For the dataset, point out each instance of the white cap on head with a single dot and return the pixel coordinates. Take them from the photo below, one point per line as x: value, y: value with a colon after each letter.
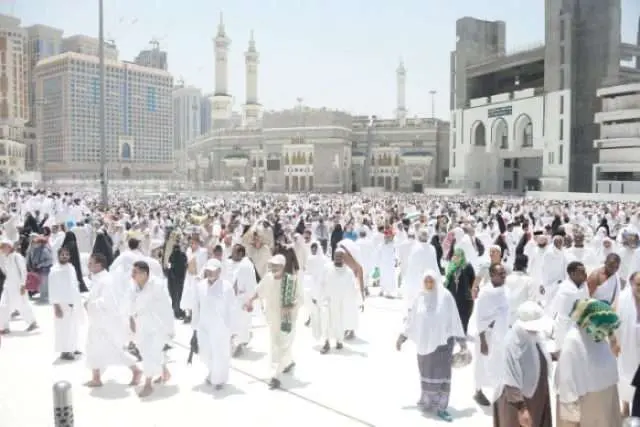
x: 530, y: 317
x: 277, y: 260
x: 212, y: 265
x: 5, y: 241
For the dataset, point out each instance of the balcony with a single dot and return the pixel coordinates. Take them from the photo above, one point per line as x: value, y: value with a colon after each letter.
x: 625, y: 130
x: 625, y: 102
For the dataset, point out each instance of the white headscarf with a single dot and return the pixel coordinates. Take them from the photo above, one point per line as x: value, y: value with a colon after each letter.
x: 433, y: 318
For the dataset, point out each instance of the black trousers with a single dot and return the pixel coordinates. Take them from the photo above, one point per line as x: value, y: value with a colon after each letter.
x: 175, y: 292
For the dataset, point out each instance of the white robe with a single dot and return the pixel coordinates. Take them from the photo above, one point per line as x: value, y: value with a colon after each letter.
x: 422, y: 258
x: 629, y: 340
x: 338, y: 287
x: 212, y: 319
x: 244, y: 282
x: 491, y: 307
x: 153, y: 317
x: 106, y: 336
x: 387, y: 265
x: 432, y: 320
x: 64, y: 291
x: 269, y: 290
x: 14, y: 267
x: 315, y: 270
x: 201, y: 256
x: 562, y: 306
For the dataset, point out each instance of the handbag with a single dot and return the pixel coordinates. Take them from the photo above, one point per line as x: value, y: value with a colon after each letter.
x: 33, y: 282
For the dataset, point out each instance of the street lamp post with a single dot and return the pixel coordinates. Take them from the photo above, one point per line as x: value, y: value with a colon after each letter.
x: 103, y: 140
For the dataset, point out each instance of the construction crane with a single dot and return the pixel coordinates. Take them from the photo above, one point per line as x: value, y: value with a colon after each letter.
x: 155, y: 42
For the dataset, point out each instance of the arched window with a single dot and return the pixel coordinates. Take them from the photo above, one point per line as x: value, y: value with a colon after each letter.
x: 478, y: 134
x: 125, y: 153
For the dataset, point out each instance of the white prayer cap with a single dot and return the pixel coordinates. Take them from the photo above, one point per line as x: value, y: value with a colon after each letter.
x: 530, y: 317
x: 212, y: 265
x: 340, y: 251
x: 5, y: 241
x: 277, y: 260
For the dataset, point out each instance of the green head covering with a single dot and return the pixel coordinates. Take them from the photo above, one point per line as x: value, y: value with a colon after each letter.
x: 596, y: 317
x: 457, y: 262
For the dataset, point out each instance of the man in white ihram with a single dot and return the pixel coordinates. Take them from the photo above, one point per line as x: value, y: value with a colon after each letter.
x: 213, y: 306
x: 105, y: 337
x: 14, y: 297
x: 270, y: 290
x: 152, y: 323
x: 334, y: 294
x: 244, y: 285
x: 65, y: 297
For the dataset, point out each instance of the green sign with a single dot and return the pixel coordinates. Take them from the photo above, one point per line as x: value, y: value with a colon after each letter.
x: 500, y: 111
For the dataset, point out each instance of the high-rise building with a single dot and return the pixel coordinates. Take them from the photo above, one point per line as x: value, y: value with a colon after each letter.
x: 153, y: 58
x: 14, y: 102
x: 186, y: 120
x: 89, y: 46
x: 205, y: 114
x: 138, y: 118
x: 42, y: 42
x: 523, y: 120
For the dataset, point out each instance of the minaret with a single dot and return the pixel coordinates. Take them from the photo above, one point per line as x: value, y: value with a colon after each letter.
x: 401, y: 82
x: 252, y: 109
x: 222, y: 100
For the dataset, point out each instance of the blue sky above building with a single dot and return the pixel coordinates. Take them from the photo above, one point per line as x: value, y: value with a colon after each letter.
x: 333, y: 53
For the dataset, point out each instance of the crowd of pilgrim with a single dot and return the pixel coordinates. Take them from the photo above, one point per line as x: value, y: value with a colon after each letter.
x: 542, y: 297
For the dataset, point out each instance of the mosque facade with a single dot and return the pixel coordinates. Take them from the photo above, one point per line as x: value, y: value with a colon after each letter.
x: 307, y: 149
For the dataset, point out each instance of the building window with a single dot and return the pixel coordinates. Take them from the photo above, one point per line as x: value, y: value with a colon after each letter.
x: 550, y: 157
x: 560, y: 154
x: 561, y: 130
x: 562, y: 54
x: 453, y: 159
x: 561, y: 84
x: 561, y: 104
x: 562, y: 29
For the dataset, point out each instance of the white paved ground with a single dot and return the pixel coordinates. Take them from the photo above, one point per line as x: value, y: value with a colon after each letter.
x: 367, y: 384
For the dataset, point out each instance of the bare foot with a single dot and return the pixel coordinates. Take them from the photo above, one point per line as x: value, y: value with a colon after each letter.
x: 4, y: 331
x: 93, y: 384
x: 135, y: 379
x: 166, y: 376
x: 32, y: 327
x: 146, y: 391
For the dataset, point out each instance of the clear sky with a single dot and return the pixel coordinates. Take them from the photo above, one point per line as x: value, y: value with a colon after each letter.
x: 339, y: 54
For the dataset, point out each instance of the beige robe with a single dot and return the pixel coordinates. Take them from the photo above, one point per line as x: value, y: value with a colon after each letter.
x: 505, y: 414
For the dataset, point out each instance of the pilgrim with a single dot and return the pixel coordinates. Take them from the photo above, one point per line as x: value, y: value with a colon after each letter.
x: 434, y: 326
x: 587, y: 372
x: 282, y: 296
x: 105, y: 336
x: 522, y: 396
x: 151, y: 322
x: 67, y: 305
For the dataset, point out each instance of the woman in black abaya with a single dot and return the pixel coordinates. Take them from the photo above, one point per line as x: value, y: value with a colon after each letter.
x: 71, y: 244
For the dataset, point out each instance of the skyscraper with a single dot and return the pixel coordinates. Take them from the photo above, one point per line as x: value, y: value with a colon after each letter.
x: 186, y: 121
x: 138, y: 118
x: 14, y: 103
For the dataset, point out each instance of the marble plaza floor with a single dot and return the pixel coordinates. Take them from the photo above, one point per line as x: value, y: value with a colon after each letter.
x: 368, y: 383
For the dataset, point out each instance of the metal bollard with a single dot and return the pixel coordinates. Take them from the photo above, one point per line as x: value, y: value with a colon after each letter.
x: 62, y: 404
x: 631, y: 422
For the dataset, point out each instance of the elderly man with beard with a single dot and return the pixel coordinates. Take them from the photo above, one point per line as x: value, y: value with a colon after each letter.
x: 283, y: 296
